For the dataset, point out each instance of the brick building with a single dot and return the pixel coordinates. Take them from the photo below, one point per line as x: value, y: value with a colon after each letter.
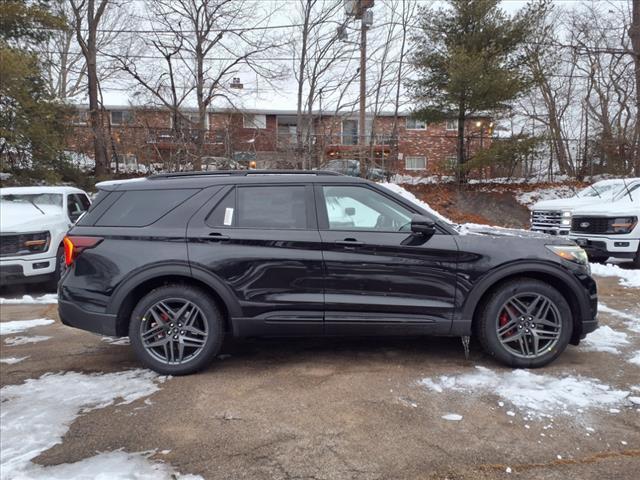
x: 142, y: 136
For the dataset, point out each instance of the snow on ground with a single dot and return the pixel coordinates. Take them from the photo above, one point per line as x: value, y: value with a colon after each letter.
x: 536, y: 395
x: 13, y: 360
x: 48, y: 298
x: 412, y: 198
x: 604, y: 339
x: 454, y: 417
x: 561, y: 191
x: 37, y: 413
x: 18, y: 326
x: 628, y: 278
x: 116, y: 340
x: 635, y: 359
x: 22, y: 340
x: 631, y: 319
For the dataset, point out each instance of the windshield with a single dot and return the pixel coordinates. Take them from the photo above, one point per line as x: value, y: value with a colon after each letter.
x: 38, y: 199
x: 601, y: 189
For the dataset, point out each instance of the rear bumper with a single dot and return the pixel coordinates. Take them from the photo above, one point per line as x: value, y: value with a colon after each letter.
x: 74, y: 316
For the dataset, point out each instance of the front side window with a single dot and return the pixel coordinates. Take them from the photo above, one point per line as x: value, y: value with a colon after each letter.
x: 359, y: 208
x: 77, y: 204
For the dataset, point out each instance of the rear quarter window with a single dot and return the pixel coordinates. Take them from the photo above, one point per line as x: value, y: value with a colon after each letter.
x: 139, y: 208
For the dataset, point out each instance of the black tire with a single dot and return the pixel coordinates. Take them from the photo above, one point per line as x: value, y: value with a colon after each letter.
x: 635, y: 264
x: 52, y: 283
x: 209, y: 315
x: 498, y: 306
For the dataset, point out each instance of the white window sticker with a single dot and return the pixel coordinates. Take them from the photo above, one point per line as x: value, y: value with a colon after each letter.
x: 228, y: 216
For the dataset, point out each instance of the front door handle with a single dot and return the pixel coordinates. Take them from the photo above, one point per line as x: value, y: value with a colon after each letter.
x: 349, y: 242
x: 214, y: 237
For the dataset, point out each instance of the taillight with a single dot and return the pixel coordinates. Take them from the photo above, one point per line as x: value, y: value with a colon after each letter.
x: 74, y: 246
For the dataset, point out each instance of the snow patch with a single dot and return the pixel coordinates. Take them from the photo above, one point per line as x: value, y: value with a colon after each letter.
x: 538, y: 395
x: 397, y: 189
x: 36, y: 414
x: 628, y: 278
x: 605, y: 339
x: 22, y: 340
x: 48, y: 298
x: 635, y: 359
x: 454, y: 417
x: 18, y: 326
x: 116, y: 340
x: 561, y: 191
x: 632, y: 320
x: 13, y: 360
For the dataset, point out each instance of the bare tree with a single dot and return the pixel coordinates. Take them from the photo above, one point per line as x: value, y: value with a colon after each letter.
x: 88, y: 17
x: 209, y: 42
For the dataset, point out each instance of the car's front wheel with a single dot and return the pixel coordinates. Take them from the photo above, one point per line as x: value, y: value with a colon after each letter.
x: 176, y: 329
x: 525, y: 323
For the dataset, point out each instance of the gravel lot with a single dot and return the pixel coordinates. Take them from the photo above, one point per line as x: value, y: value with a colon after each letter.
x: 342, y: 409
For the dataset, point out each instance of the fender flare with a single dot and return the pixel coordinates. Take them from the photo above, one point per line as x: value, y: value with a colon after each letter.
x: 182, y: 269
x: 522, y: 268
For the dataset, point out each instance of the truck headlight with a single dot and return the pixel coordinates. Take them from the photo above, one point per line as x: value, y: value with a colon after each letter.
x: 573, y: 253
x: 622, y: 225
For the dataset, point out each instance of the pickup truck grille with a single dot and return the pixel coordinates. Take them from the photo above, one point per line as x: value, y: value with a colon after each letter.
x: 9, y: 245
x: 545, y: 219
x: 590, y: 225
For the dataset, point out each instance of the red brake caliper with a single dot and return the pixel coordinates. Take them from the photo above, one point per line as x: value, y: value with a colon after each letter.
x: 504, y: 319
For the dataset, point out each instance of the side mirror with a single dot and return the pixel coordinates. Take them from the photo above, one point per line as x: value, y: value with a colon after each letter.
x: 422, y: 225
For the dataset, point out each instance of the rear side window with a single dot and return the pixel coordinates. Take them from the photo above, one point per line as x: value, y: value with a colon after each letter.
x: 139, y: 208
x: 281, y: 207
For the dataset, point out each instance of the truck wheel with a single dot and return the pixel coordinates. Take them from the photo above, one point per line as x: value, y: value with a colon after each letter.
x: 526, y: 323
x: 636, y: 260
x: 176, y: 329
x: 596, y: 259
x: 52, y: 283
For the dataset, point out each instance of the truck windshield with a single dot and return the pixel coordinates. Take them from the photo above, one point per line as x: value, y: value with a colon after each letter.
x: 601, y: 189
x: 38, y: 199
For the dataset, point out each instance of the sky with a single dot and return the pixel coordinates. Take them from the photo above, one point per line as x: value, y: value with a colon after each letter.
x: 258, y: 93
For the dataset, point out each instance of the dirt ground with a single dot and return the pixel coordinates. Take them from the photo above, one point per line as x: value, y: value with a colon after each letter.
x: 340, y: 409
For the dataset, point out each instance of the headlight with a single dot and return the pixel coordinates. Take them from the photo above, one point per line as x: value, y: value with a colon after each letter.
x: 573, y: 253
x: 622, y: 224
x: 33, y: 243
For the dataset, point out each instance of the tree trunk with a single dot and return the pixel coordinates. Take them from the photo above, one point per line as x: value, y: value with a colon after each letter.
x: 99, y: 143
x: 634, y: 34
x: 461, y: 174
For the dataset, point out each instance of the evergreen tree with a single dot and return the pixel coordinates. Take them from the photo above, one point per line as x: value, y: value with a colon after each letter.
x: 32, y: 123
x: 470, y: 60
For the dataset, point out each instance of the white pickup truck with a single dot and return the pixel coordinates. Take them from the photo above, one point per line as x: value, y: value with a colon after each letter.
x: 554, y: 216
x: 610, y: 229
x: 33, y: 223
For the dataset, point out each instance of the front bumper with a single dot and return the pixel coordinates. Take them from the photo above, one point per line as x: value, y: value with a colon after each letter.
x: 74, y: 316
x: 600, y: 246
x: 34, y: 269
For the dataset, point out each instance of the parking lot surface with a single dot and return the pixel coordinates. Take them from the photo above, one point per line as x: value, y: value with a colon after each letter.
x: 380, y: 408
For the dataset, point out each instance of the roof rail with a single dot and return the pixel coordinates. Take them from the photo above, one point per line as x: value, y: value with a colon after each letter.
x: 241, y: 173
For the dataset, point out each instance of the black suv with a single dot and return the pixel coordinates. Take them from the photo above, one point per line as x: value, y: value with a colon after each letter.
x: 176, y: 261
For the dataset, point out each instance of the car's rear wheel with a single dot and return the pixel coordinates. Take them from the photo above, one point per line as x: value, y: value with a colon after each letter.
x: 526, y: 323
x: 176, y: 329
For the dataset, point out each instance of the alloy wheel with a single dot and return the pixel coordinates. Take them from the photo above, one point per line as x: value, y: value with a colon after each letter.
x: 528, y: 325
x: 174, y: 331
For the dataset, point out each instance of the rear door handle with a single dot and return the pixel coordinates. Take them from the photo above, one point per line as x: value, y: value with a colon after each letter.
x: 214, y: 237
x: 349, y: 242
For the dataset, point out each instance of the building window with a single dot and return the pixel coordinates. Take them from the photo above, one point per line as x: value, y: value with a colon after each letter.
x: 416, y: 124
x: 415, y: 163
x: 452, y: 163
x: 452, y: 124
x: 254, y: 121
x: 81, y: 117
x: 121, y: 117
